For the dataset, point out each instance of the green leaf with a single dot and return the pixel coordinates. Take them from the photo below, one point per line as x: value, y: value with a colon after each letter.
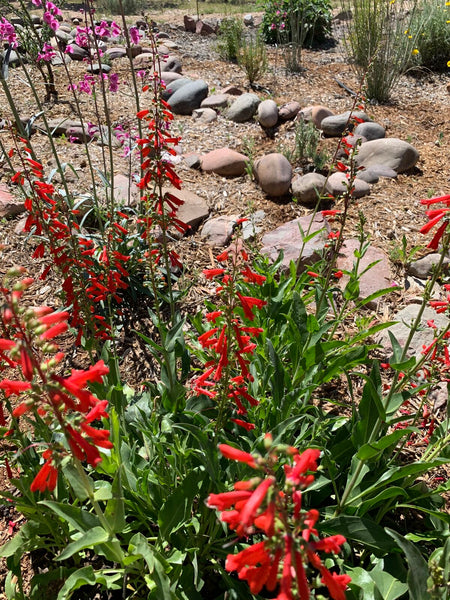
x: 299, y: 316
x: 390, y: 492
x: 370, y: 408
x: 389, y: 587
x: 115, y: 509
x: 80, y: 519
x: 361, y: 579
x: 361, y: 530
x: 418, y: 568
x: 140, y: 547
x: 90, y: 539
x: 177, y: 509
x: 375, y: 295
x: 374, y: 449
x: 84, y: 576
x: 73, y: 477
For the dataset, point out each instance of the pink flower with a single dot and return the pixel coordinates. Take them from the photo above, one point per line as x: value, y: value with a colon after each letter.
x: 134, y: 35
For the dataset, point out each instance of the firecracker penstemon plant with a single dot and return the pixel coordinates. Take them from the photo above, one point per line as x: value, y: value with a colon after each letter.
x: 117, y: 483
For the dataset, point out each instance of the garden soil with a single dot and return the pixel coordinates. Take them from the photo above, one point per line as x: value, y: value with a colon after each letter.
x: 419, y: 112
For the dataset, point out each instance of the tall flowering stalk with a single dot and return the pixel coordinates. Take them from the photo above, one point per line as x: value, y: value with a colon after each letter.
x: 93, y: 272
x: 63, y: 404
x: 286, y: 560
x: 229, y: 343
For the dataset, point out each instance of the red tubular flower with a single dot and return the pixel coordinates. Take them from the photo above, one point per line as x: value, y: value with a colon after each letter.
x: 335, y: 583
x: 307, y: 461
x: 211, y: 273
x: 236, y: 454
x: 11, y: 387
x: 227, y: 499
x: 46, y: 479
x: 244, y: 424
x: 247, y: 303
x: 252, y: 505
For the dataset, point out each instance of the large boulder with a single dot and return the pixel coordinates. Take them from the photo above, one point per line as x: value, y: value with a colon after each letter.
x: 224, y: 161
x: 189, y: 97
x: 274, y: 174
x: 243, y: 108
x: 388, y: 152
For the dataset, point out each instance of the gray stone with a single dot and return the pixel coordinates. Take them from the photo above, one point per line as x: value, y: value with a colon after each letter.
x: 289, y: 110
x: 268, y: 113
x: 274, y: 174
x: 96, y: 68
x: 375, y: 279
x: 76, y: 52
x: 204, y: 115
x: 9, y: 206
x: 224, y: 161
x: 173, y: 86
x: 169, y: 77
x: 335, y: 125
x: 243, y: 108
x: 423, y: 267
x: 189, y: 23
x: 388, y: 152
x: 368, y: 175
x: 171, y: 65
x: 192, y: 160
x: 248, y: 20
x: 189, y: 97
x: 215, y: 101
x: 63, y: 36
x: 371, y: 131
x: 80, y: 134
x: 383, y: 171
x: 134, y: 51
x: 307, y: 188
x: 336, y: 185
x: 232, y: 90
x: 402, y: 329
x: 250, y: 228
x: 114, y: 53
x: 218, y: 231
x: 142, y: 61
x: 289, y: 239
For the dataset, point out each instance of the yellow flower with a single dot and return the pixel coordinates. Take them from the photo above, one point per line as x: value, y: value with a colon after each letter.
x: 415, y: 51
x: 406, y: 32
x: 448, y: 64
x: 409, y: 37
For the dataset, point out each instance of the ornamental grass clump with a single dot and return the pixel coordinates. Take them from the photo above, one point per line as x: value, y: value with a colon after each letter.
x: 433, y: 43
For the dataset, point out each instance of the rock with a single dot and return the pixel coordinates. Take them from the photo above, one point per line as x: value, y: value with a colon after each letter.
x: 9, y: 205
x: 383, y: 171
x: 224, y: 161
x: 388, y: 152
x: 274, y: 174
x: 162, y: 35
x: 63, y: 36
x: 368, y: 175
x: 243, y: 108
x: 319, y: 113
x: 401, y: 330
x: 163, y: 49
x: 114, y: 53
x: 370, y: 130
x: 60, y: 126
x: 134, y: 51
x: 194, y: 209
x: 376, y: 278
x: 288, y: 238
x: 175, y: 85
x: 79, y: 134
x: 250, y: 228
x: 192, y: 160
x: 423, y: 267
x: 307, y: 188
x: 268, y: 113
x: 204, y: 115
x: 189, y: 97
x: 96, y: 68
x: 218, y: 231
x: 189, y: 24
x: 232, y: 90
x: 125, y: 190
x: 142, y: 61
x: 289, y: 111
x: 202, y: 28
x: 249, y: 21
x: 335, y: 125
x: 215, y: 101
x: 336, y: 185
x: 14, y: 59
x: 170, y: 76
x: 171, y: 65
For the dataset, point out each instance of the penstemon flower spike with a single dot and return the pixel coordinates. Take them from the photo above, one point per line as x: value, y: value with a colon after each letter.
x: 288, y: 553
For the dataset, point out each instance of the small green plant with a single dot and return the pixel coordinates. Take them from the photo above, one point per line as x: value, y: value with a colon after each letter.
x: 230, y: 35
x: 433, y: 43
x: 306, y: 149
x: 381, y: 41
x: 400, y: 254
x: 253, y: 58
x: 249, y: 148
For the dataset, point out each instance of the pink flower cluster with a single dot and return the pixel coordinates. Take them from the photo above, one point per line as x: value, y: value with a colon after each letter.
x: 8, y: 33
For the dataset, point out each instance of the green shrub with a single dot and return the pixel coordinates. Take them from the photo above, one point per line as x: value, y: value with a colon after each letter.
x: 230, y: 35
x: 279, y: 16
x: 253, y: 58
x: 433, y: 43
x: 379, y: 42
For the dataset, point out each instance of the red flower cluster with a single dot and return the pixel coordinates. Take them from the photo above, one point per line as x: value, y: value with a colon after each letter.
x: 281, y: 561
x: 91, y: 272
x: 230, y: 342
x: 63, y: 403
x: 434, y: 216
